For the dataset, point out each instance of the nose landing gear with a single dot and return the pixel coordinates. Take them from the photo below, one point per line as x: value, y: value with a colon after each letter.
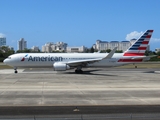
x: 15, y: 70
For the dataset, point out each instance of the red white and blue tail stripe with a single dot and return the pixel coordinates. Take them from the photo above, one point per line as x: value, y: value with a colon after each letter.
x: 140, y: 46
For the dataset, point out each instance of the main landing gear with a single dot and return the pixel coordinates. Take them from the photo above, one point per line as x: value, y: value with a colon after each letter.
x: 79, y: 70
x: 15, y: 70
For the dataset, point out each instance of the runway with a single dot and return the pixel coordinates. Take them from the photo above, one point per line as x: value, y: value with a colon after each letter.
x: 96, y: 88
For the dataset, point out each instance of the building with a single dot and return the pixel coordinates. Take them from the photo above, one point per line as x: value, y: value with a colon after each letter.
x: 35, y: 48
x: 76, y: 49
x: 133, y: 41
x: 113, y: 44
x: 101, y: 45
x: 50, y: 47
x: 47, y: 47
x: 104, y: 45
x: 124, y: 45
x: 22, y: 44
x: 61, y: 46
x: 157, y: 50
x: 2, y: 41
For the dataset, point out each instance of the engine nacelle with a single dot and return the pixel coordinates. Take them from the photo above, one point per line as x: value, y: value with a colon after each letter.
x: 60, y: 66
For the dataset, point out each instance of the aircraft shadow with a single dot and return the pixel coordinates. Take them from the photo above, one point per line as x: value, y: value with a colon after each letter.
x: 89, y: 72
x: 85, y: 72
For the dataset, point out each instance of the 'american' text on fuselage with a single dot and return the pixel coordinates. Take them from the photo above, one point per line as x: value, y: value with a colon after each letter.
x: 48, y: 58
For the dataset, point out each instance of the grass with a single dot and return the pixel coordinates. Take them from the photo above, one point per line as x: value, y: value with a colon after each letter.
x: 5, y: 67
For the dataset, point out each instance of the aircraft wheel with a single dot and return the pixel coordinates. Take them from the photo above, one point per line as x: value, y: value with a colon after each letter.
x: 81, y: 72
x: 15, y: 71
x: 78, y: 71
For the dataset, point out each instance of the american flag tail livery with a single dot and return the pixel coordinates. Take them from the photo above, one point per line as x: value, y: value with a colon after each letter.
x: 140, y: 45
x: 136, y: 53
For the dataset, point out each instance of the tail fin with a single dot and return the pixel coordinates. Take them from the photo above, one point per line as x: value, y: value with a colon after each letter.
x: 140, y: 45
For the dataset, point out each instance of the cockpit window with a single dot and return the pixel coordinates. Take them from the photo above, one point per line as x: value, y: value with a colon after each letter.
x: 9, y: 57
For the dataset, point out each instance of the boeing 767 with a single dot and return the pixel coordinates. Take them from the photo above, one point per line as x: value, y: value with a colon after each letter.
x: 64, y: 61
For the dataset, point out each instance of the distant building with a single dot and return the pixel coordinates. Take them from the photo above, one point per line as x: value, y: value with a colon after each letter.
x: 94, y: 46
x: 11, y: 48
x: 35, y: 48
x: 2, y: 41
x: 76, y: 49
x: 49, y: 47
x: 123, y: 45
x: 113, y: 44
x: 22, y: 44
x: 157, y: 50
x: 132, y: 41
x: 101, y: 45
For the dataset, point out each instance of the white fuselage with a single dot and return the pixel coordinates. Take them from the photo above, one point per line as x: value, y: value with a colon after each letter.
x: 48, y: 59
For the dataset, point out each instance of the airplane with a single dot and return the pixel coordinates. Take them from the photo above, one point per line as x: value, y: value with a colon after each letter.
x: 64, y: 61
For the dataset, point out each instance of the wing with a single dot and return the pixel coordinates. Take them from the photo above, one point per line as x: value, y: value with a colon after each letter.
x: 87, y: 61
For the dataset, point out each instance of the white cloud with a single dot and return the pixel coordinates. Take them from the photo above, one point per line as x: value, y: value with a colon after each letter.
x: 134, y: 34
x: 155, y: 39
x: 2, y: 35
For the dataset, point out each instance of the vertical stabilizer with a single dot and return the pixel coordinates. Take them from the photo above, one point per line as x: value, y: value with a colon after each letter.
x: 140, y: 45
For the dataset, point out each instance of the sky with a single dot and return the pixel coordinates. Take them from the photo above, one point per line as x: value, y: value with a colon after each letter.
x: 78, y: 22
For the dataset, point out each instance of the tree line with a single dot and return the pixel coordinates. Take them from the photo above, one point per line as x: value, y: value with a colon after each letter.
x: 5, y: 52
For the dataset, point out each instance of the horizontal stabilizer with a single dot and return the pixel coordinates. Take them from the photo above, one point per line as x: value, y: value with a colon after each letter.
x: 141, y: 57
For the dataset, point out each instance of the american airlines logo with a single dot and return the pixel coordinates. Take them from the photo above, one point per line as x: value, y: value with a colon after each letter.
x: 23, y: 59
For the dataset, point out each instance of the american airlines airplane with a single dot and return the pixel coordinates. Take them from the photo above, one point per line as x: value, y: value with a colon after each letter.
x: 65, y: 61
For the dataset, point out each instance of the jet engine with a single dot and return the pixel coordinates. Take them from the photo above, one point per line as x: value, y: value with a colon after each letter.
x: 60, y: 66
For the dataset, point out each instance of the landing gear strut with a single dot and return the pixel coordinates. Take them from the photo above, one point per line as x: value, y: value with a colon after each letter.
x: 79, y: 70
x: 15, y: 70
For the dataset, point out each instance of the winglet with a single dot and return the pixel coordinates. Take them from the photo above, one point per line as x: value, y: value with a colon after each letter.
x: 111, y: 54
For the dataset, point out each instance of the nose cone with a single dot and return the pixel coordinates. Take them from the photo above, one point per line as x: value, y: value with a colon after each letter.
x: 4, y: 61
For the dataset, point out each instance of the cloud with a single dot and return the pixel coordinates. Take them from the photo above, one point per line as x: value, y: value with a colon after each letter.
x: 2, y: 35
x: 155, y: 39
x: 134, y: 34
